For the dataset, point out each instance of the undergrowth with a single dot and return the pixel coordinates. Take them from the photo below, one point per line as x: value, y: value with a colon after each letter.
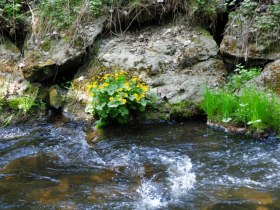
x: 19, y: 105
x: 242, y: 104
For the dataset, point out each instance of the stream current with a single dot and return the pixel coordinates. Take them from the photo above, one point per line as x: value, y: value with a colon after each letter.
x: 150, y: 166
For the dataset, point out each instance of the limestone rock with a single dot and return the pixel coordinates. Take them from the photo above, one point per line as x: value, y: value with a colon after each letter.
x: 176, y: 61
x: 247, y: 38
x: 54, y: 53
x: 159, y: 49
x: 9, y: 55
x: 270, y: 77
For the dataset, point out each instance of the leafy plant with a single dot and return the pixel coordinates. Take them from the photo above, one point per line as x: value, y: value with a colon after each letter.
x: 114, y: 97
x: 243, y: 75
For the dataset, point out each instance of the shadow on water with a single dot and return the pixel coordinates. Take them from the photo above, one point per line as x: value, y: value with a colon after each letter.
x: 149, y: 166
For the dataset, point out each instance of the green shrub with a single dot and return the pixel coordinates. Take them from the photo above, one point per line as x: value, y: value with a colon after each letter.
x: 114, y: 97
x: 22, y: 103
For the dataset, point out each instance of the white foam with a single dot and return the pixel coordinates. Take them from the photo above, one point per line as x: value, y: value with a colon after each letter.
x: 180, y: 180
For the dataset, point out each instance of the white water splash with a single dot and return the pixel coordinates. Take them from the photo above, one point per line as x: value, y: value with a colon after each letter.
x: 180, y: 180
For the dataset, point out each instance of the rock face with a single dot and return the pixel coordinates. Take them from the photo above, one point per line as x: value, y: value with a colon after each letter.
x: 9, y: 55
x: 176, y: 61
x: 252, y: 34
x: 234, y: 51
x: 270, y: 77
x: 55, y: 53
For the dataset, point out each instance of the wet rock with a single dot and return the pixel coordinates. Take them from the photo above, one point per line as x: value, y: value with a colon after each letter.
x: 270, y: 77
x: 56, y: 96
x: 94, y: 135
x: 50, y: 55
x: 252, y: 195
x: 52, y: 195
x: 29, y: 164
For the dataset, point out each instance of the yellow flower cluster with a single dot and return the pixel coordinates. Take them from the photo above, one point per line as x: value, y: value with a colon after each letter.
x: 118, y: 98
x: 90, y: 86
x: 143, y: 86
x: 138, y: 97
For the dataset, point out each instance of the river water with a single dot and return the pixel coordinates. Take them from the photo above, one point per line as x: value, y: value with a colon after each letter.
x: 150, y: 166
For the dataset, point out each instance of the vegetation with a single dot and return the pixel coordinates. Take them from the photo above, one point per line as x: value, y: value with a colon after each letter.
x: 242, y: 105
x: 115, y: 97
x: 256, y: 22
x: 20, y: 105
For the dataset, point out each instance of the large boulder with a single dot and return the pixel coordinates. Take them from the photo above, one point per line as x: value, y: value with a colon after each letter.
x: 270, y: 77
x: 252, y: 34
x: 177, y: 62
x: 56, y: 52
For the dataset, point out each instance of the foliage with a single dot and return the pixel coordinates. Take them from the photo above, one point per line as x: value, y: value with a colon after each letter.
x: 256, y: 21
x: 67, y: 12
x: 206, y: 7
x: 114, y: 97
x: 12, y: 14
x: 256, y: 109
x: 243, y: 75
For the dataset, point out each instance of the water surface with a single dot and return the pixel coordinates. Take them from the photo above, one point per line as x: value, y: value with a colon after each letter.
x: 151, y: 166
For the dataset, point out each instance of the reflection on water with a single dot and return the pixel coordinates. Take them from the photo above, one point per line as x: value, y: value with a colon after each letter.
x: 152, y: 166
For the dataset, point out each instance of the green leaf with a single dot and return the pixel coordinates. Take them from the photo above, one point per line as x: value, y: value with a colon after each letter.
x: 123, y: 111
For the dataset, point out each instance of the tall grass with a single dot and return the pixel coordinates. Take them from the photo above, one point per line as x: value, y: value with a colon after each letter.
x: 258, y: 110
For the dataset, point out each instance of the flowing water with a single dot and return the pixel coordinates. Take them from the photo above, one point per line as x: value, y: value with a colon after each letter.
x: 151, y: 166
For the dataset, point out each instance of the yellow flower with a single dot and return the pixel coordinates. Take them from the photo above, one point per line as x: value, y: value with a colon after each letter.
x: 116, y: 74
x: 106, y: 76
x: 122, y: 72
x: 123, y: 100
x: 145, y: 88
x: 134, y: 79
x: 125, y: 95
x: 111, y: 98
x: 142, y: 95
x: 105, y: 84
x: 101, y: 87
x: 126, y: 85
x: 94, y: 86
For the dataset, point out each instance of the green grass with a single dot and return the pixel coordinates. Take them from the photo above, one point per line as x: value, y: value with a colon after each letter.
x: 255, y: 109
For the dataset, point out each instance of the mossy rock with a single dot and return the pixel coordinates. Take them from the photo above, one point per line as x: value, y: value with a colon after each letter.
x: 184, y: 110
x: 56, y: 97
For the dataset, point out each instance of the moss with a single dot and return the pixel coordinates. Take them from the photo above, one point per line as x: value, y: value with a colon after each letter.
x: 203, y: 32
x: 183, y: 110
x: 46, y: 45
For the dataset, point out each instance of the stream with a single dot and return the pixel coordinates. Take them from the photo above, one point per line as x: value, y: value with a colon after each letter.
x: 150, y: 166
